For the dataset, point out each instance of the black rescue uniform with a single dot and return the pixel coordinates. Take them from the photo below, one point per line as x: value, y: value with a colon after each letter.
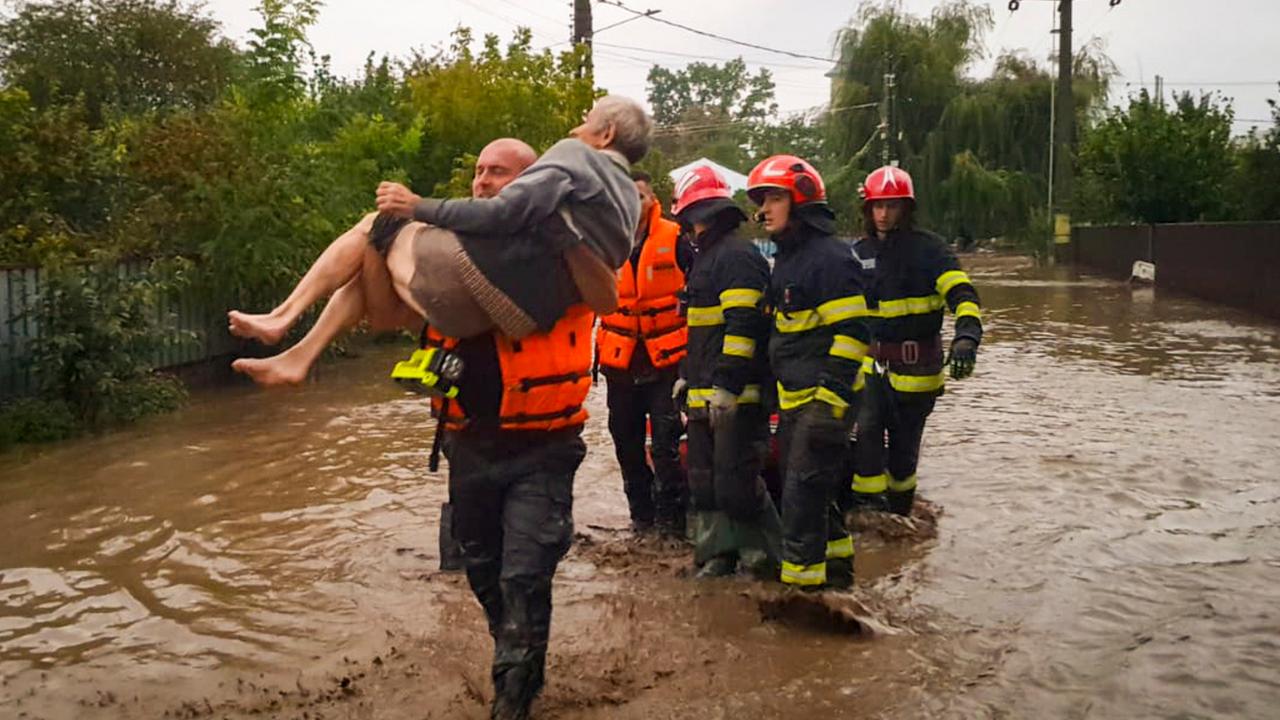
x: 909, y: 278
x: 816, y: 351
x: 735, y: 520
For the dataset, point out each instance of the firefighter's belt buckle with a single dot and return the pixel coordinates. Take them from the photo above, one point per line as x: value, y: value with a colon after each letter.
x: 910, y: 352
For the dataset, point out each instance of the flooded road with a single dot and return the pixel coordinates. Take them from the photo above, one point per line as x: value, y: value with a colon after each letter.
x: 1109, y: 546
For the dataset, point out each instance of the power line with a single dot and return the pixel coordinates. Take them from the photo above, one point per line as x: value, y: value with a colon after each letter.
x: 557, y: 21
x: 504, y: 18
x: 722, y: 38
x: 1221, y: 83
x: 610, y: 26
x: 697, y: 56
x: 703, y: 126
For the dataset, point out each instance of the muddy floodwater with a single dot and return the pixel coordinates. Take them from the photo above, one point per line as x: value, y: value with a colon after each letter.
x: 1108, y: 546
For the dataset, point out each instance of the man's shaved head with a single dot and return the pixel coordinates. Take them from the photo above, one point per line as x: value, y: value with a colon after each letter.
x: 499, y: 163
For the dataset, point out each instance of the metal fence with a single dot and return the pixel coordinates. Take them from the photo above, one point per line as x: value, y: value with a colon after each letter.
x: 185, y: 316
x: 1230, y: 263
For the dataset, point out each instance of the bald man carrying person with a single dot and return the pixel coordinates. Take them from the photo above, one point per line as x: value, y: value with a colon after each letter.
x: 514, y: 262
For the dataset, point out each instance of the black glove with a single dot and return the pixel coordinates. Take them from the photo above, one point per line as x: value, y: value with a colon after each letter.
x: 962, y: 358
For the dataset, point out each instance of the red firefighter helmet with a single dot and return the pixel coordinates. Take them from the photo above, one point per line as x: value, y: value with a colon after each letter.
x: 698, y: 184
x: 887, y: 183
x: 790, y: 173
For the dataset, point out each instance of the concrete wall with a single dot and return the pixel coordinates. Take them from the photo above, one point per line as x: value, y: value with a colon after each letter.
x: 1235, y: 264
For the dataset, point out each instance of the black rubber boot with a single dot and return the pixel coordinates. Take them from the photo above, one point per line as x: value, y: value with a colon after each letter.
x: 718, y: 566
x: 899, y: 503
x: 450, y: 550
x: 509, y: 709
x: 859, y: 502
x: 672, y: 527
x: 840, y: 574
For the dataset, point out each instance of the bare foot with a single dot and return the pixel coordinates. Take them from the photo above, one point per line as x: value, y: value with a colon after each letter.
x: 272, y: 371
x: 266, y: 328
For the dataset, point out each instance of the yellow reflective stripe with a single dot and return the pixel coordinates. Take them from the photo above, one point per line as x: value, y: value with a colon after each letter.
x: 701, y: 397
x: 950, y: 279
x: 842, y: 548
x: 740, y: 297
x: 798, y: 321
x: 911, y: 306
x: 968, y: 309
x: 739, y: 346
x: 849, y: 348
x: 793, y: 574
x: 831, y: 399
x: 698, y: 397
x: 841, y: 309
x: 916, y: 383
x: 791, y: 399
x: 896, y: 485
x: 705, y: 316
x: 870, y: 485
x: 861, y: 381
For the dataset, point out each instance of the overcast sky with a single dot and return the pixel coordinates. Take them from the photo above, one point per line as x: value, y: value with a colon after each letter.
x: 1229, y: 46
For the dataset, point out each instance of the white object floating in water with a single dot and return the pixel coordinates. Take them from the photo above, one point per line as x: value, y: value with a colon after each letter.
x: 1143, y: 272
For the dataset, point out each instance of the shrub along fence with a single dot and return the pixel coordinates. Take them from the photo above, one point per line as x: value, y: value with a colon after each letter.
x: 1231, y: 263
x: 187, y: 316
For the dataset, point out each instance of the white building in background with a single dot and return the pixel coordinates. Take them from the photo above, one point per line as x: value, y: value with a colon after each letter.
x: 737, y: 181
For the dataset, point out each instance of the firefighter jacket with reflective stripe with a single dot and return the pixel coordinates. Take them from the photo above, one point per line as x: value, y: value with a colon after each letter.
x: 544, y: 377
x: 648, y: 318
x: 728, y: 328
x: 820, y: 333
x: 909, y: 278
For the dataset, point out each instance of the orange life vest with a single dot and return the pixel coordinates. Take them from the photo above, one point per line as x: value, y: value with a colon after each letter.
x: 648, y: 311
x: 545, y: 376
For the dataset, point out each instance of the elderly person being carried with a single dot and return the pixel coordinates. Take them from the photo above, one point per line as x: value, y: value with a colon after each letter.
x: 514, y: 262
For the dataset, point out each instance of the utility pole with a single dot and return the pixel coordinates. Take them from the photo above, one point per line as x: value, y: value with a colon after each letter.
x: 1064, y: 128
x: 582, y: 33
x: 886, y: 113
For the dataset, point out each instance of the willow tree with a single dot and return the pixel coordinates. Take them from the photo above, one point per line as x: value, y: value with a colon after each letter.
x: 968, y: 142
x: 1005, y: 123
x: 926, y: 56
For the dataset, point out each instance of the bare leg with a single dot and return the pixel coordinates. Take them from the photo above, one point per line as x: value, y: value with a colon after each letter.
x: 290, y: 367
x: 383, y: 307
x: 400, y: 266
x: 340, y: 262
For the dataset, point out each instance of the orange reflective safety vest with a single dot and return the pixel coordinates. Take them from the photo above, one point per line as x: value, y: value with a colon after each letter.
x: 545, y: 376
x: 648, y: 311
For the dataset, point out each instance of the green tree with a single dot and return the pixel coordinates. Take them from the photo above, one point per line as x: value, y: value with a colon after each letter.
x: 1157, y: 164
x: 127, y: 56
x: 928, y: 57
x: 1255, y: 189
x: 58, y: 179
x: 727, y: 91
x: 465, y: 99
x: 711, y: 110
x: 991, y: 134
x: 279, y: 48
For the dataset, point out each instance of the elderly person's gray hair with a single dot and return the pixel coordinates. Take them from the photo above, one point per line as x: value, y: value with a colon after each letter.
x: 632, y: 126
